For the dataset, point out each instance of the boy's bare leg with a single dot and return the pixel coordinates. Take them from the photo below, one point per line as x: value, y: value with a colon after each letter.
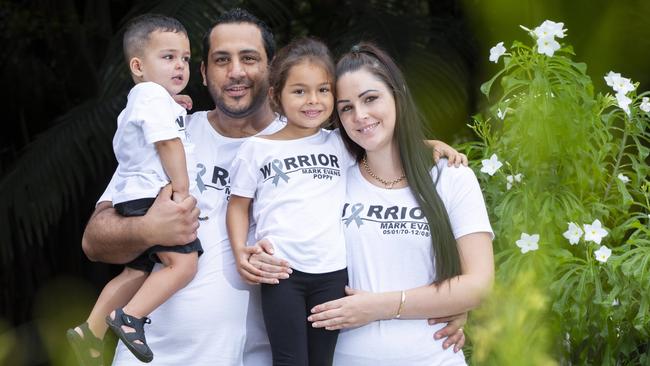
x: 179, y: 270
x: 115, y: 294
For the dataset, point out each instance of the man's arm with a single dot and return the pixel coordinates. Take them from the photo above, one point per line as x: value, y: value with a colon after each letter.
x: 112, y: 238
x: 441, y: 150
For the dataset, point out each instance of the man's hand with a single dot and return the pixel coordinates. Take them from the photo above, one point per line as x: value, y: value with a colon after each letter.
x: 184, y: 100
x: 170, y: 223
x: 112, y: 238
x: 260, y: 266
x: 440, y: 150
x: 453, y: 331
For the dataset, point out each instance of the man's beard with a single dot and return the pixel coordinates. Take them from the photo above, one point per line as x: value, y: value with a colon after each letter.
x: 257, y: 101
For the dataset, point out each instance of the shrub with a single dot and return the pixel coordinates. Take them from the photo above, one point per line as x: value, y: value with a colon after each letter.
x: 569, y: 206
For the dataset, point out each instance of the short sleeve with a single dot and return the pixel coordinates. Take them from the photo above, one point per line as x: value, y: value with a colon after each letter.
x: 156, y: 111
x: 460, y: 191
x: 243, y: 180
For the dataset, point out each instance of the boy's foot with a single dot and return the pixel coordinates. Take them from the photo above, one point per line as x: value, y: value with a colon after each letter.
x: 87, y: 348
x: 130, y: 330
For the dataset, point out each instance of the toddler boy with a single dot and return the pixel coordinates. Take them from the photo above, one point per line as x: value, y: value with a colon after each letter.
x: 152, y: 151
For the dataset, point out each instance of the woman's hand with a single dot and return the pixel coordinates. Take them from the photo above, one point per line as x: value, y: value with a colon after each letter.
x: 356, y: 309
x: 453, y: 331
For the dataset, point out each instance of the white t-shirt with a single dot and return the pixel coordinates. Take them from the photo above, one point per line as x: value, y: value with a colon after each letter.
x: 389, y: 249
x: 151, y: 115
x: 298, y: 188
x: 216, y: 320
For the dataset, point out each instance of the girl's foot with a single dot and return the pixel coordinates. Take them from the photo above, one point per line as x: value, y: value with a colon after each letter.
x: 87, y: 348
x: 130, y: 330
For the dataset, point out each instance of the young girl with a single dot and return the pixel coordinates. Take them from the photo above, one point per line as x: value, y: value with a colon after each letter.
x: 296, y: 177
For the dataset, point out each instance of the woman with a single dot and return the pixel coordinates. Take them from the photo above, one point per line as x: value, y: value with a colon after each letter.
x: 418, y: 239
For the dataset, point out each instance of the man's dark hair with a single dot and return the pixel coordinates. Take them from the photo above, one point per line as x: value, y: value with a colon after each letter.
x: 139, y: 28
x: 239, y: 15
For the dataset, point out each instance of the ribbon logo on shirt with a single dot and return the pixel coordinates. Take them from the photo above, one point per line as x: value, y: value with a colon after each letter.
x: 354, y: 216
x: 199, y: 181
x: 279, y: 174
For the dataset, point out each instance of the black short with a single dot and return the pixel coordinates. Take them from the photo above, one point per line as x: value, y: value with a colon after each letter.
x: 146, y: 260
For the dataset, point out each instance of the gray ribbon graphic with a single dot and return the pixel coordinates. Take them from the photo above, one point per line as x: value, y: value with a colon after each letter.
x: 277, y: 169
x: 354, y: 216
x: 199, y: 181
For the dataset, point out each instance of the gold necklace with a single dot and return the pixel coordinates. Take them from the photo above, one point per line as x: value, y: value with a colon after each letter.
x: 388, y: 184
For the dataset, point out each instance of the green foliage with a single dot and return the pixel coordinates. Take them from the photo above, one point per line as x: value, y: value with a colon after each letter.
x: 570, y: 145
x: 497, y: 335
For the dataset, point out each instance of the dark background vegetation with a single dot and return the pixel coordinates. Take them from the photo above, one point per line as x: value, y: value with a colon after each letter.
x: 64, y: 82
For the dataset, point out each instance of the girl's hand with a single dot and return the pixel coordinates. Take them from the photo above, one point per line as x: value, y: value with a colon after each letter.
x: 453, y: 331
x: 248, y: 272
x: 261, y: 266
x: 184, y: 100
x: 357, y: 309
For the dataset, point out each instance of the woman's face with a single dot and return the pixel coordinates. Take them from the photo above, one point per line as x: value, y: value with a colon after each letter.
x: 366, y: 108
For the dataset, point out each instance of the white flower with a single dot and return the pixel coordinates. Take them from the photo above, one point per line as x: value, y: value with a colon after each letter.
x: 602, y: 254
x: 496, y: 52
x: 611, y: 77
x: 550, y: 29
x: 645, y: 104
x: 511, y: 179
x: 501, y: 114
x: 595, y: 232
x: 619, y: 83
x: 616, y: 302
x: 527, y: 242
x: 547, y: 46
x: 573, y: 234
x: 491, y: 165
x: 623, y: 178
x: 623, y: 102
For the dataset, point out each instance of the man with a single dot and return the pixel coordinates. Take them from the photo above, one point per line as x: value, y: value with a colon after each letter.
x: 216, y: 319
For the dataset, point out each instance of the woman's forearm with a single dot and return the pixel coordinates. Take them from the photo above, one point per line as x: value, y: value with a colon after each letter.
x: 453, y: 296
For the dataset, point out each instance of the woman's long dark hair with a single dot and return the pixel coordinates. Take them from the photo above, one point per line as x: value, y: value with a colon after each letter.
x: 415, y: 156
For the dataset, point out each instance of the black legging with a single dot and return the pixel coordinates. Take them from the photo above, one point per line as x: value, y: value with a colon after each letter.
x: 287, y: 305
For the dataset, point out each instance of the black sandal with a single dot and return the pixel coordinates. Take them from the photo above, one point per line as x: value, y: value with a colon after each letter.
x: 83, y: 345
x: 140, y: 350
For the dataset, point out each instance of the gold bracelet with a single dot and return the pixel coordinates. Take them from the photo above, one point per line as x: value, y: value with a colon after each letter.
x: 401, y: 305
